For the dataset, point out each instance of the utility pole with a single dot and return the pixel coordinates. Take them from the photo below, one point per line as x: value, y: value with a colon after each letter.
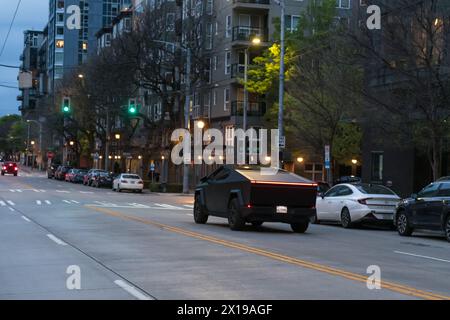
x: 187, y: 106
x: 108, y: 134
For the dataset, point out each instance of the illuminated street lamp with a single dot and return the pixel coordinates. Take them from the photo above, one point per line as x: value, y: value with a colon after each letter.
x: 256, y: 41
x: 300, y: 159
x: 117, y: 136
x: 354, y: 161
x: 200, y: 124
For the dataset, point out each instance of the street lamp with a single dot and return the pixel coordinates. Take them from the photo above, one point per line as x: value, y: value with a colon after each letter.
x: 40, y: 138
x: 255, y: 41
x: 200, y: 124
x: 300, y: 159
x: 354, y: 161
x: 117, y: 136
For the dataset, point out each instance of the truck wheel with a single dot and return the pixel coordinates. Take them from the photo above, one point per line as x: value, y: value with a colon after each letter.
x: 403, y: 227
x: 200, y: 216
x: 235, y: 220
x: 447, y: 229
x: 300, y: 227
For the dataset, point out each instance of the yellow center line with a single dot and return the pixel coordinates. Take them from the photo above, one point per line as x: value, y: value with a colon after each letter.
x: 279, y: 257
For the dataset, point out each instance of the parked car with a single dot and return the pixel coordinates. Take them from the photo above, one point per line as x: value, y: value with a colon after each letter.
x: 322, y: 187
x: 79, y: 176
x: 60, y: 173
x: 245, y: 195
x: 348, y: 179
x: 443, y: 179
x: 75, y: 175
x: 10, y: 168
x: 102, y: 179
x: 51, y: 170
x: 355, y: 203
x: 88, y: 178
x: 429, y: 209
x: 126, y: 181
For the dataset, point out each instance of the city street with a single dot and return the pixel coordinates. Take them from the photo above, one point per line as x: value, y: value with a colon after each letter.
x: 147, y: 246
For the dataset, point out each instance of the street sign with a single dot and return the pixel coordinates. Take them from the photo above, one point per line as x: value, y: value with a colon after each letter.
x: 152, y: 167
x: 50, y: 155
x: 327, y: 157
x: 282, y: 142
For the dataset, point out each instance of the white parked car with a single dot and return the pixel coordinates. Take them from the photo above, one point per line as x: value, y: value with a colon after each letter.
x: 127, y: 181
x: 354, y: 203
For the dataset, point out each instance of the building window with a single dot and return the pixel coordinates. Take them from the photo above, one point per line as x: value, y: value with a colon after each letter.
x: 228, y: 27
x: 343, y: 4
x: 314, y: 171
x: 226, y: 99
x: 60, y: 44
x: 229, y: 136
x: 227, y: 62
x: 377, y: 166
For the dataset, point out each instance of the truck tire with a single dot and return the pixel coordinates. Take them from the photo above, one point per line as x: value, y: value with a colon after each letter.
x: 200, y: 216
x: 235, y: 219
x: 300, y: 227
x: 257, y: 223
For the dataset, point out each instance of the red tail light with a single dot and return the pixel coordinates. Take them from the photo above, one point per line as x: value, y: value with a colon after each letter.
x: 16, y: 168
x: 363, y: 201
x: 4, y: 168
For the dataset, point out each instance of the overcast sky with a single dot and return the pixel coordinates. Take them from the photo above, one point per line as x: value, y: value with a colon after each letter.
x: 32, y: 14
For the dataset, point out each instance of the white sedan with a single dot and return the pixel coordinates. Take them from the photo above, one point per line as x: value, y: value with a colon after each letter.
x: 126, y: 181
x: 353, y: 203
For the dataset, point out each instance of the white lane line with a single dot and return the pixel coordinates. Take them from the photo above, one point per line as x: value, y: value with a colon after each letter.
x: 38, y: 202
x: 42, y: 190
x: 62, y: 191
x: 190, y: 206
x: 47, y: 202
x: 26, y: 219
x: 86, y: 192
x: 10, y: 209
x: 67, y: 201
x: 132, y: 290
x: 11, y: 203
x: 12, y: 190
x: 2, y: 203
x: 55, y: 239
x: 75, y: 201
x: 18, y: 190
x: 168, y: 206
x: 420, y: 256
x: 36, y: 190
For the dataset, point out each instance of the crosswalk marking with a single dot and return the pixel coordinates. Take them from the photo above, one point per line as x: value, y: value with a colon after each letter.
x: 47, y: 202
x: 67, y: 201
x: 11, y: 203
x: 75, y: 201
x: 2, y: 203
x: 38, y: 202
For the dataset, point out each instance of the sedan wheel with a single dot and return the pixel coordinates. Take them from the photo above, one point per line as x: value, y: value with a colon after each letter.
x: 346, y: 219
x: 200, y: 216
x: 403, y: 227
x: 235, y: 219
x: 447, y: 229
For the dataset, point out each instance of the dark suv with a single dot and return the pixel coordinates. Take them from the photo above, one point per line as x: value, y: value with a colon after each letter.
x: 10, y: 168
x: 429, y: 209
x: 52, y: 169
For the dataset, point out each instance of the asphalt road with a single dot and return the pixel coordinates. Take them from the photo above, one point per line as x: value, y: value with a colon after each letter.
x: 133, y: 246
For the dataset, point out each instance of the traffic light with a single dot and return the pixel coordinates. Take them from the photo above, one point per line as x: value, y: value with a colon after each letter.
x: 132, y: 106
x: 66, y: 105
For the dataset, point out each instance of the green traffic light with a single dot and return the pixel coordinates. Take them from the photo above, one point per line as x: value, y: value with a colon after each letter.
x: 132, y: 110
x: 66, y: 109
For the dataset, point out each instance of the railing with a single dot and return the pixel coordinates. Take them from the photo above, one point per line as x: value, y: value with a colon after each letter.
x: 244, y: 33
x: 254, y: 109
x: 237, y: 70
x: 253, y: 1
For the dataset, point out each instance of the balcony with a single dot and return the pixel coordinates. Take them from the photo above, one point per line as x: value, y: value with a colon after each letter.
x: 245, y: 34
x: 253, y: 4
x: 254, y: 109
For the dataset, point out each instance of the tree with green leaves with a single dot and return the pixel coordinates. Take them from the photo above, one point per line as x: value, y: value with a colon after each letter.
x: 323, y: 84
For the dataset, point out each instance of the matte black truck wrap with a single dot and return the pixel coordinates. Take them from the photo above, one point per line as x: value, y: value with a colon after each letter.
x: 245, y: 195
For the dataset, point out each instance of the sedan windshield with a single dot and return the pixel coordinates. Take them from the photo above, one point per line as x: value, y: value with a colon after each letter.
x: 374, y: 189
